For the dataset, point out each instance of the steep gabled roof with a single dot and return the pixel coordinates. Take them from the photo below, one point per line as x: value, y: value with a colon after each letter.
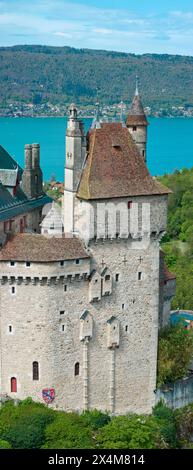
x: 114, y: 166
x: 7, y: 162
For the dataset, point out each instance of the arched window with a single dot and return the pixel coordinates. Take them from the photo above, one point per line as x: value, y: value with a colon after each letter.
x: 77, y: 369
x: 35, y: 370
x: 13, y: 384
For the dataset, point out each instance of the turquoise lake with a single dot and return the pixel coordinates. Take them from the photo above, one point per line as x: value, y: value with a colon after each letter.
x: 170, y: 142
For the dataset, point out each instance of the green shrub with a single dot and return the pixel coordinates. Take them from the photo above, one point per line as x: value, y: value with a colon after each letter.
x: 95, y: 419
x: 68, y: 431
x: 184, y: 426
x: 174, y: 353
x: 4, y: 444
x: 166, y: 421
x: 131, y: 432
x: 23, y: 426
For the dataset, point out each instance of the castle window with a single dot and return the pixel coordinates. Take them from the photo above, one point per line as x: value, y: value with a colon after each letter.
x: 77, y: 369
x: 126, y: 328
x: 77, y: 261
x: 12, y: 263
x: 61, y: 312
x: 129, y: 204
x: 143, y: 153
x: 65, y: 288
x: 117, y: 277
x: 13, y: 384
x: 139, y: 276
x: 61, y: 263
x: 35, y: 369
x: 13, y: 290
x: 107, y: 277
x: 10, y: 329
x: 28, y: 264
x: 62, y: 328
x: 134, y: 128
x: 123, y: 306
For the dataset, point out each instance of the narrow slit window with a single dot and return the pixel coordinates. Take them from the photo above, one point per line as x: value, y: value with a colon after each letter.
x: 77, y: 369
x: 13, y: 290
x: 117, y: 277
x: 35, y: 367
x: 65, y: 288
x: 139, y: 276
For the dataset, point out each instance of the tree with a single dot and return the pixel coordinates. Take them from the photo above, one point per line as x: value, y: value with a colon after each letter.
x: 175, y: 351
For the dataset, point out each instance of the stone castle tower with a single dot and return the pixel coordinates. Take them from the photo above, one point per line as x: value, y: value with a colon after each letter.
x: 88, y: 337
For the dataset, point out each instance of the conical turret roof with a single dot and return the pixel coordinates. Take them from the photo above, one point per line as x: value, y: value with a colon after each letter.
x: 136, y: 115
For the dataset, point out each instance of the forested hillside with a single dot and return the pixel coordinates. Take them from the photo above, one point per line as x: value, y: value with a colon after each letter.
x: 64, y: 74
x: 178, y: 242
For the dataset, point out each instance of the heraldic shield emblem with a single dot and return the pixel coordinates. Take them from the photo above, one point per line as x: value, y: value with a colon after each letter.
x: 48, y: 395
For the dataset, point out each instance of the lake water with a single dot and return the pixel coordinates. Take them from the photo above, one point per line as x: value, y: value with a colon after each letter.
x: 170, y: 142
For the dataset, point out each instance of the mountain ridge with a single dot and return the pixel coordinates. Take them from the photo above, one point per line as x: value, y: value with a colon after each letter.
x: 65, y: 74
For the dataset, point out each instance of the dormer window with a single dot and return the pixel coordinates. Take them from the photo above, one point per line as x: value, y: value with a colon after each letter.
x: 77, y: 261
x: 134, y: 128
x: 12, y: 263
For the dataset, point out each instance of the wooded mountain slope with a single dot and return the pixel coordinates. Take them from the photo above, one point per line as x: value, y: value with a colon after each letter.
x: 64, y: 74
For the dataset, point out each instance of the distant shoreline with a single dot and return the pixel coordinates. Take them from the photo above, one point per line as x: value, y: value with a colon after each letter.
x: 88, y: 117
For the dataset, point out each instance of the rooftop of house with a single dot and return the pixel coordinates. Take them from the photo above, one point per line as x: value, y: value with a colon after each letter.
x: 15, y: 202
x: 114, y: 166
x: 41, y: 249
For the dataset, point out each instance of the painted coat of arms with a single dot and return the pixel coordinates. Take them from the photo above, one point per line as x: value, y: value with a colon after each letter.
x: 48, y: 394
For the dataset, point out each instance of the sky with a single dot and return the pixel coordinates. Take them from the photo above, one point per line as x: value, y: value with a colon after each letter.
x: 136, y: 26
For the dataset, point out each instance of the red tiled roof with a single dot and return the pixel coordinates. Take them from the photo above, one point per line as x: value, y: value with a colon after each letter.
x: 114, y: 166
x: 38, y: 248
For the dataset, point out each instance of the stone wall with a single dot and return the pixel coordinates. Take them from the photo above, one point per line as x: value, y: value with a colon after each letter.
x: 177, y: 394
x: 46, y: 317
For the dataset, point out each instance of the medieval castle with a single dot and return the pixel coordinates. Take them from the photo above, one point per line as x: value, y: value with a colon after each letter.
x: 80, y: 312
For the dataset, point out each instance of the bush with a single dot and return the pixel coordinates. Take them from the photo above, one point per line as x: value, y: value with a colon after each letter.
x: 175, y: 351
x: 166, y: 420
x: 23, y: 426
x: 4, y: 444
x: 131, y: 432
x: 184, y: 426
x: 95, y: 419
x: 68, y: 431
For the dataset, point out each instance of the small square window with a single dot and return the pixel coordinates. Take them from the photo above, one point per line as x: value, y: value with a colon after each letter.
x: 28, y: 264
x: 117, y: 277
x: 107, y: 277
x: 12, y: 263
x: 61, y: 312
x: 77, y: 261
